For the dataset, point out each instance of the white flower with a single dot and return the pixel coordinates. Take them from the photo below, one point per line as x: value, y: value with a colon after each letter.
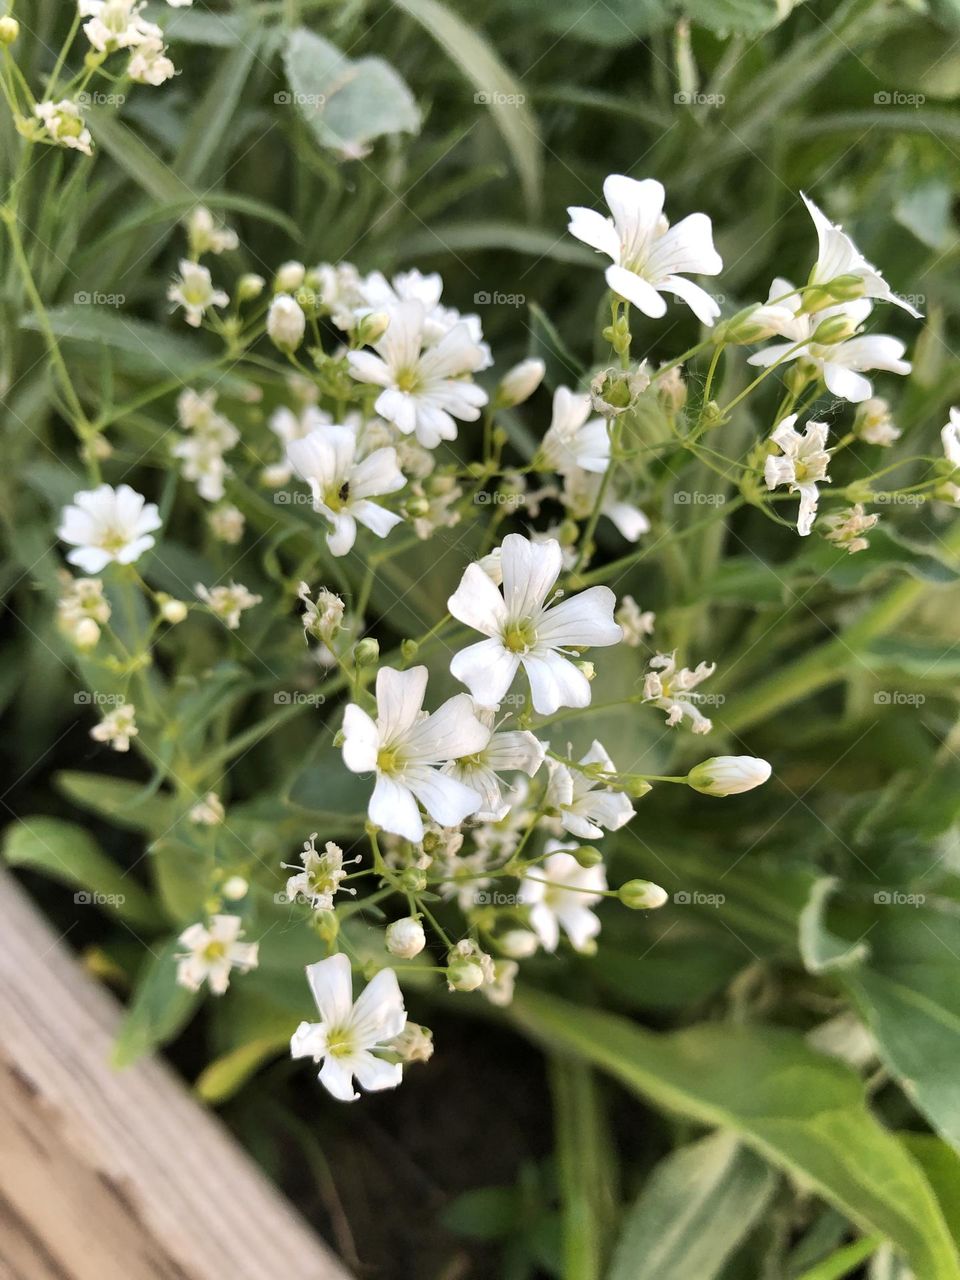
x: 671, y: 690
x: 290, y: 276
x: 950, y: 438
x: 82, y: 610
x: 405, y: 938
x: 519, y: 383
x: 424, y: 389
x: 117, y: 727
x: 108, y: 525
x: 227, y: 603
x: 573, y: 441
x: 206, y: 235
x: 407, y: 749
x: 322, y: 618
x: 802, y: 464
x: 500, y: 991
x: 839, y: 256
x: 342, y: 487
x: 383, y: 296
x: 338, y: 288
x: 63, y: 125
x: 841, y: 364
x: 560, y: 893
x: 213, y: 951
x: 208, y: 812
x: 846, y: 528
x: 319, y: 881
x: 636, y: 623
x: 286, y: 322
x: 650, y: 257
x: 874, y: 424
x: 518, y: 944
x: 116, y: 24
x: 468, y: 966
x: 584, y: 808
x: 149, y: 64
x: 194, y: 291
x: 349, y: 1035
x: 226, y: 523
x: 728, y: 775
x: 525, y: 631
x: 506, y: 751
x: 580, y: 492
x: 201, y: 452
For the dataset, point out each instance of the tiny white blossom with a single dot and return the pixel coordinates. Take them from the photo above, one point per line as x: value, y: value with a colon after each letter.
x: 107, y: 525
x: 649, y: 256
x: 149, y: 64
x: 319, y: 881
x: 635, y: 622
x: 405, y: 938
x: 383, y: 297
x: 506, y: 751
x: 290, y: 276
x: 574, y: 439
x: 342, y: 487
x: 227, y: 602
x: 523, y: 629
x: 407, y: 749
x: 322, y: 618
x: 874, y: 423
x: 672, y: 690
x: 801, y: 464
x: 208, y: 812
x: 206, y: 235
x: 227, y: 523
x: 116, y: 24
x: 519, y: 383
x: 82, y: 610
x: 500, y: 991
x: 350, y: 1035
x: 560, y: 894
x: 117, y: 727
x: 839, y: 256
x: 193, y: 290
x: 585, y: 802
x: 212, y: 951
x: 846, y: 529
x: 63, y: 125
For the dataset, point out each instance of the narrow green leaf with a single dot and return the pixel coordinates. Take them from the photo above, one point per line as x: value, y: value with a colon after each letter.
x: 152, y: 174
x: 223, y: 1077
x: 821, y: 950
x: 583, y: 1168
x: 215, y: 112
x: 159, y: 1011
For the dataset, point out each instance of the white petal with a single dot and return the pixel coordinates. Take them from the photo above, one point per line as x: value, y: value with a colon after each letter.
x: 555, y: 682
x: 697, y: 299
x: 331, y: 982
x: 640, y: 292
x: 453, y: 730
x: 378, y: 473
x: 393, y: 808
x: 846, y: 384
x: 487, y: 669
x: 361, y: 740
x: 399, y: 700
x: 379, y: 1014
x: 582, y: 621
x: 530, y: 570
x: 375, y: 1074
x: 445, y: 799
x: 595, y: 230
x: 477, y: 602
x: 375, y: 518
x: 343, y: 535
x: 337, y: 1078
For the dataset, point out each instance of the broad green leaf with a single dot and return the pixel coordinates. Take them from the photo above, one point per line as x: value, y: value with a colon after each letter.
x: 497, y: 89
x: 697, y: 1206
x: 737, y: 17
x: 120, y: 801
x: 160, y: 1008
x: 921, y: 659
x: 941, y: 1164
x: 800, y: 1110
x: 821, y: 950
x: 66, y: 852
x: 346, y: 104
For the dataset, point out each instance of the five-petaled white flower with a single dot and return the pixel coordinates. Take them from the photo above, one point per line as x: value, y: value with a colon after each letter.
x: 319, y: 881
x: 424, y: 388
x: 63, y: 125
x: 524, y: 630
x: 560, y: 894
x: 342, y: 487
x: 212, y: 951
x: 574, y: 439
x: 802, y: 464
x: 117, y: 727
x: 193, y: 290
x: 227, y: 602
x: 407, y: 749
x: 349, y: 1035
x: 672, y: 690
x: 586, y: 803
x: 650, y: 257
x: 507, y: 751
x: 116, y: 24
x: 108, y: 525
x: 838, y: 256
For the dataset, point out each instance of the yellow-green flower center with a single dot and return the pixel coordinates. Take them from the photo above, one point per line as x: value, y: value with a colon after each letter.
x: 519, y: 637
x: 408, y: 380
x: 388, y: 760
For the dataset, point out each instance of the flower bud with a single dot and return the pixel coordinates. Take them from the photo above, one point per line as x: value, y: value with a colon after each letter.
x: 413, y: 1044
x: 587, y: 856
x: 671, y: 389
x: 250, y: 286
x: 285, y: 323
x: 86, y: 634
x: 519, y: 383
x: 366, y: 652
x: 372, y: 328
x: 815, y: 299
x: 235, y: 888
x: 728, y: 775
x: 834, y: 329
x: 518, y: 944
x: 464, y: 975
x: 290, y: 276
x: 638, y: 788
x: 642, y: 895
x: 752, y: 324
x: 845, y: 288
x: 413, y: 880
x: 409, y: 648
x: 171, y: 610
x: 9, y: 29
x: 405, y: 938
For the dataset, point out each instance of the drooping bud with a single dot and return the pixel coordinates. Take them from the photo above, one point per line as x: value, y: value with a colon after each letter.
x: 642, y: 895
x: 519, y: 383
x: 728, y: 775
x: 286, y: 323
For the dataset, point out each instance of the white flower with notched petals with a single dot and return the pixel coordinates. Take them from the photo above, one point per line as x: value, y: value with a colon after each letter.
x: 507, y: 751
x: 107, y: 525
x: 524, y: 630
x: 206, y: 235
x: 117, y: 727
x: 586, y: 803
x: 342, y: 487
x: 560, y: 894
x: 650, y: 258
x: 227, y: 602
x: 407, y: 749
x: 193, y: 290
x: 840, y: 364
x: 212, y: 951
x: 116, y: 24
x: 350, y: 1036
x: 574, y: 439
x: 672, y: 690
x: 424, y: 388
x: 149, y: 64
x: 801, y: 464
x: 839, y: 256
x: 63, y: 125
x: 382, y: 296
x: 581, y: 489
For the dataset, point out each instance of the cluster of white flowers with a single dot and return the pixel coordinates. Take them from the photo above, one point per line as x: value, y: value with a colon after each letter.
x: 208, y: 436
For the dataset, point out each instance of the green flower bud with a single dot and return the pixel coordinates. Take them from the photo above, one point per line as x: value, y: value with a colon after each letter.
x: 413, y: 880
x: 366, y: 652
x: 641, y: 895
x: 587, y: 856
x: 728, y: 775
x: 834, y: 329
x: 9, y: 29
x: 846, y: 288
x: 464, y: 975
x: 409, y: 649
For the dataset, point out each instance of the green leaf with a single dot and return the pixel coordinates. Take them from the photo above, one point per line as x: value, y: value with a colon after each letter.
x: 941, y: 1164
x: 474, y: 237
x: 563, y: 368
x: 887, y: 553
x: 800, y: 1110
x: 215, y: 112
x: 736, y: 17
x: 223, y: 1077
x: 699, y: 1203
x: 821, y: 950
x: 346, y: 104
x: 119, y: 800
x: 65, y: 852
x: 584, y: 1166
x: 160, y: 1008
x: 921, y: 659
x: 135, y: 158
x: 496, y: 88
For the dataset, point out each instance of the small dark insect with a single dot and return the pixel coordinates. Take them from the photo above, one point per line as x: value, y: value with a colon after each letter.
x: 344, y: 491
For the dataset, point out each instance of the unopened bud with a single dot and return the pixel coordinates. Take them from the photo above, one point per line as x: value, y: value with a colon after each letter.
x: 834, y: 329
x: 366, y: 652
x: 464, y: 975
x: 409, y: 649
x: 405, y: 938
x: 587, y: 856
x: 286, y: 323
x: 413, y: 880
x: 642, y: 895
x: 289, y: 277
x: 518, y: 944
x: 86, y: 634
x: 845, y: 288
x: 250, y: 286
x: 372, y: 328
x: 519, y: 383
x: 728, y: 775
x: 235, y: 888
x: 9, y: 29
x: 171, y: 610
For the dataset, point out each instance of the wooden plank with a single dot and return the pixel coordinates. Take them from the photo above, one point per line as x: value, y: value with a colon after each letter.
x: 108, y: 1175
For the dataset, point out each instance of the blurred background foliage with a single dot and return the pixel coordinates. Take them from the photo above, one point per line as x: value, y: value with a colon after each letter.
x: 703, y: 1099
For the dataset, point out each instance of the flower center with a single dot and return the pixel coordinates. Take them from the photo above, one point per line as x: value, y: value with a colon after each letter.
x: 340, y: 1042
x: 337, y: 496
x: 388, y: 760
x: 408, y: 380
x: 519, y: 637
x: 214, y: 951
x: 113, y: 539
